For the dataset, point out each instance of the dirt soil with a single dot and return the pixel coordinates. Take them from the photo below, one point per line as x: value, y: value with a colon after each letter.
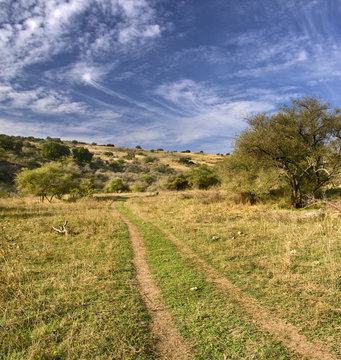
x: 169, y: 344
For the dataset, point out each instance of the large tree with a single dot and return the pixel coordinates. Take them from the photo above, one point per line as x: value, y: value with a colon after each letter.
x: 302, y: 141
x: 48, y: 181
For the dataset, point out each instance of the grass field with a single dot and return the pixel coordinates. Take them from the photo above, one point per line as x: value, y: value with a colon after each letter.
x: 289, y: 261
x: 68, y: 297
x: 77, y: 297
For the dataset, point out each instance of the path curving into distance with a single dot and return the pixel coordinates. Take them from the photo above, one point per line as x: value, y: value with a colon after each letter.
x: 169, y: 343
x: 283, y: 331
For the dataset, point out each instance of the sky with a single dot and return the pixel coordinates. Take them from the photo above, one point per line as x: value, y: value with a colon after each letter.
x: 168, y: 74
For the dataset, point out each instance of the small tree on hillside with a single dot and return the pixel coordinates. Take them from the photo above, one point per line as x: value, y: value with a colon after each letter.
x: 48, y: 181
x: 302, y: 142
x: 82, y: 155
x: 53, y: 151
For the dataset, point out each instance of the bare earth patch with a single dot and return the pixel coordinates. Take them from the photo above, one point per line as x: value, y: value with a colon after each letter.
x: 170, y: 344
x: 286, y: 333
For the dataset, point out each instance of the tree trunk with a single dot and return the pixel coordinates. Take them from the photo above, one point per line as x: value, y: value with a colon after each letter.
x: 296, y: 196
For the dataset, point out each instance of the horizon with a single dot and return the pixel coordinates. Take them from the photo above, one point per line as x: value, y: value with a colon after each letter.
x: 161, y: 74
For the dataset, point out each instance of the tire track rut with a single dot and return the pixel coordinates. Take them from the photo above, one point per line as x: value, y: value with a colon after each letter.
x: 169, y: 343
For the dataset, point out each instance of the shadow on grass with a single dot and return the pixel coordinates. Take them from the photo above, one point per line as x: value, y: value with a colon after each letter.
x: 112, y: 198
x: 25, y: 215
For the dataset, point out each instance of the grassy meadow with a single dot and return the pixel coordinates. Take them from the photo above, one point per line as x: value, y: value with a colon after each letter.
x: 68, y: 297
x: 76, y: 296
x: 288, y: 260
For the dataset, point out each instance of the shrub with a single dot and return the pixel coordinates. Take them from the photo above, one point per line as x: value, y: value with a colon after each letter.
x: 177, y: 182
x: 116, y: 185
x: 202, y: 177
x: 117, y: 165
x: 108, y: 153
x: 150, y: 159
x: 186, y: 160
x: 53, y: 151
x: 10, y: 143
x: 82, y: 155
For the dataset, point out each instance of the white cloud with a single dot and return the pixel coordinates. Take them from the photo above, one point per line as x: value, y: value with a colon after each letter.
x: 39, y: 100
x: 34, y: 31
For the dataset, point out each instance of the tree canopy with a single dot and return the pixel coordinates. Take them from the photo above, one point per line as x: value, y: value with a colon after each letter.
x: 53, y: 151
x: 48, y: 181
x: 82, y: 155
x: 301, y: 141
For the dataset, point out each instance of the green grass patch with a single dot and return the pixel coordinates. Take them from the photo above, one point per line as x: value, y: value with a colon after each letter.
x: 68, y: 297
x: 208, y: 319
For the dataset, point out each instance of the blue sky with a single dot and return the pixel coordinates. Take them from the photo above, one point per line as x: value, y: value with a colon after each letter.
x: 161, y: 73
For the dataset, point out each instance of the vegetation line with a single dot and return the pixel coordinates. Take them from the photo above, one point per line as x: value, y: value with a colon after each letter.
x: 286, y: 333
x: 169, y: 344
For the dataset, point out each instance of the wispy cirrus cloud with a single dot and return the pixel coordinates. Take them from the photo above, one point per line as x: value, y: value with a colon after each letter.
x: 34, y: 31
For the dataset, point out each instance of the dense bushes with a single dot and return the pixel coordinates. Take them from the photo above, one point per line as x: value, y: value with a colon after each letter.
x: 201, y: 177
x: 116, y: 185
x: 53, y: 151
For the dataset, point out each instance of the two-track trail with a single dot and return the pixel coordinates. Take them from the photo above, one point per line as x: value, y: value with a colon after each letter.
x: 169, y: 343
x: 284, y: 332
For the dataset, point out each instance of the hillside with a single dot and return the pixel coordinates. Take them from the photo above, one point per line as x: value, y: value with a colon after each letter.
x: 140, y: 169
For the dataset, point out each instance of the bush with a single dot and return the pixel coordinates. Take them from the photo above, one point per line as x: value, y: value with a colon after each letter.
x: 202, y: 177
x: 82, y: 155
x: 177, y: 182
x: 117, y: 165
x: 108, y: 153
x: 53, y: 151
x: 150, y: 159
x: 116, y: 185
x: 186, y: 160
x: 10, y: 143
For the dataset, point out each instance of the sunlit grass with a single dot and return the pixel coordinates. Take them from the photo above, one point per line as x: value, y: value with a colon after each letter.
x: 68, y: 297
x: 288, y: 260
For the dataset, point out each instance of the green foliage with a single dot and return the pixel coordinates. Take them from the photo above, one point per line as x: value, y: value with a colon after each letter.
x: 117, y: 165
x: 85, y: 189
x: 186, y: 160
x: 202, y: 177
x: 138, y: 147
x: 108, y: 153
x: 10, y: 143
x: 150, y: 159
x: 52, y: 179
x: 251, y: 180
x: 177, y: 182
x: 53, y: 151
x: 301, y: 142
x: 130, y: 155
x: 82, y: 155
x: 116, y: 185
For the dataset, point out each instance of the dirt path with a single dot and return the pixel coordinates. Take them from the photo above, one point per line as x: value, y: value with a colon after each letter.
x: 169, y: 343
x: 285, y: 332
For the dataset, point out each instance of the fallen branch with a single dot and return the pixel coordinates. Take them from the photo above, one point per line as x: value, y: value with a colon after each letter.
x: 62, y: 230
